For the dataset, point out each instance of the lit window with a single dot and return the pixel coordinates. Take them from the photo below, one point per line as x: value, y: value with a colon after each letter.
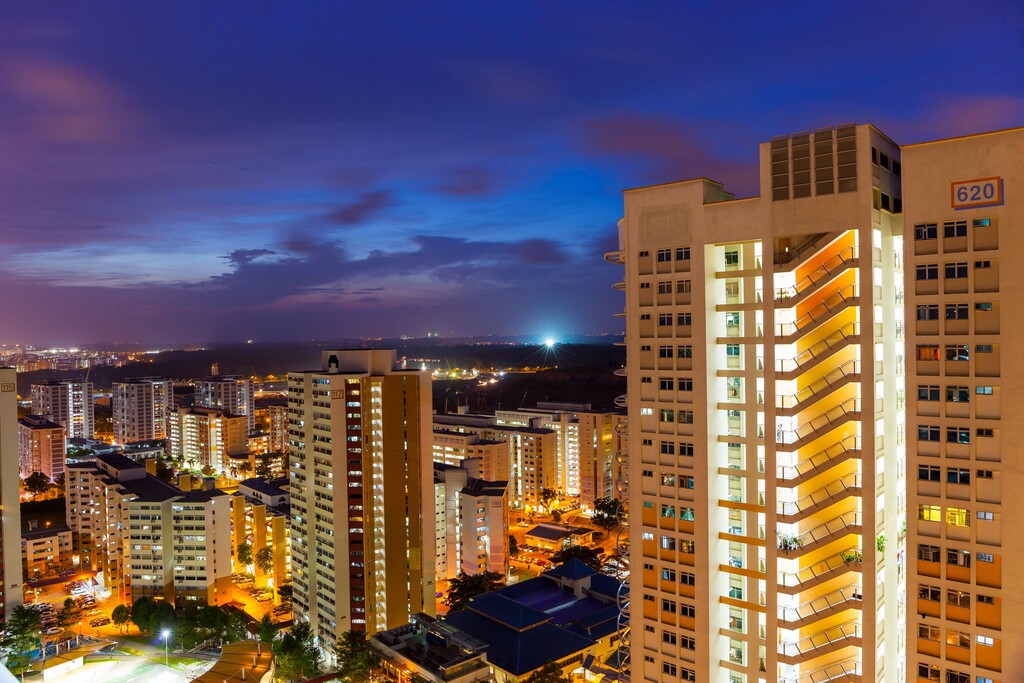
x: 957, y: 517
x: 929, y: 513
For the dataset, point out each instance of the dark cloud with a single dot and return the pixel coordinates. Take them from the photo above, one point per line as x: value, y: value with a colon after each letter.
x: 359, y: 211
x: 240, y: 257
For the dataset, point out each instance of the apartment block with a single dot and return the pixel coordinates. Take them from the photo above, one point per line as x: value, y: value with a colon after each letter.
x: 471, y: 521
x: 69, y: 403
x: 147, y: 537
x: 260, y: 518
x: 362, y: 496
x: 207, y: 437
x: 140, y: 406
x: 766, y: 418
x: 45, y: 551
x: 452, y: 447
x: 41, y: 446
x: 965, y: 375
x: 230, y: 394
x: 11, y: 589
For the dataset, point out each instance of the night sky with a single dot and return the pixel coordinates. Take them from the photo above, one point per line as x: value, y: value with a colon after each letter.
x: 177, y: 172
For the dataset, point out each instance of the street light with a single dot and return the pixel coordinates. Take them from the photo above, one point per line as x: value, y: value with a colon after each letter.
x: 167, y: 636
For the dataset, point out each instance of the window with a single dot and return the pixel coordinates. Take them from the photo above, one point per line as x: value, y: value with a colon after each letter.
x: 668, y: 606
x: 688, y: 675
x: 666, y: 383
x: 687, y: 579
x: 732, y: 257
x: 957, y: 517
x: 928, y: 312
x: 668, y: 574
x: 732, y: 350
x: 958, y: 435
x: 927, y: 352
x: 648, y: 473
x: 686, y: 385
x: 928, y: 672
x: 958, y: 352
x: 956, y: 270
x: 664, y: 255
x: 958, y: 558
x: 665, y: 287
x: 927, y: 392
x: 983, y: 306
x: 686, y: 547
x: 668, y: 480
x: 986, y: 600
x: 929, y: 513
x: 647, y: 411
x: 668, y: 669
x: 957, y: 475
x: 928, y: 553
x: 644, y: 253
x: 982, y: 222
x: 954, y: 229
x: 686, y: 417
x: 667, y: 637
x: 645, y: 285
x: 664, y: 319
x: 927, y: 433
x: 958, y: 639
x: 684, y: 352
x: 985, y: 516
x: 926, y: 231
x: 929, y: 473
x: 983, y: 348
x: 983, y: 391
x: 684, y: 319
x: 981, y: 265
x: 668, y: 543
x: 928, y: 271
x: 984, y: 474
x: 986, y: 557
x: 687, y: 643
x: 682, y: 287
x: 645, y: 347
x: 956, y: 311
x: 686, y: 482
x: 687, y: 610
x: 988, y: 641
x: 664, y: 352
x: 958, y: 598
x: 686, y: 514
x: 685, y: 449
x: 645, y: 380
x: 683, y: 254
x: 928, y: 632
x: 668, y: 448
x: 930, y: 593
x: 958, y: 394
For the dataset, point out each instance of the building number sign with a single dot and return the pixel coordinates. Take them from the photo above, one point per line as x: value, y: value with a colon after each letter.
x: 5, y: 387
x: 973, y: 194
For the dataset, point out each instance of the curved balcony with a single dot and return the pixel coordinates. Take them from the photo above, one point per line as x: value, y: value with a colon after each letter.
x: 821, y: 643
x: 832, y: 566
x: 834, y: 602
x: 619, y: 286
x: 793, y: 475
x: 810, y: 283
x: 846, y: 671
x: 616, y: 257
x: 823, y: 534
x: 794, y: 439
x: 619, y: 372
x: 791, y: 368
x: 819, y: 499
x: 791, y: 404
x: 832, y: 305
x: 621, y: 401
x: 620, y: 314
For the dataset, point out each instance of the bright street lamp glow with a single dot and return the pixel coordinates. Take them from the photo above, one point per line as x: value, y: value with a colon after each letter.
x: 549, y: 342
x: 166, y: 633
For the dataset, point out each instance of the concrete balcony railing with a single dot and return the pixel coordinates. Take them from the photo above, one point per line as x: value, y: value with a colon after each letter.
x: 791, y: 404
x: 841, y: 451
x: 824, y: 570
x: 834, y: 602
x: 810, y: 283
x: 821, y: 535
x: 791, y: 368
x: 821, y: 643
x: 819, y: 499
x: 818, y: 426
x: 832, y: 305
x: 616, y: 257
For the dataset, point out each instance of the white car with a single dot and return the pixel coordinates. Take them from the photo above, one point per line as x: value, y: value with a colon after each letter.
x: 53, y: 630
x: 94, y: 612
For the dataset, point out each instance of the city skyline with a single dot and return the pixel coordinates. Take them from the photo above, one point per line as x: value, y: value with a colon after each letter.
x: 203, y: 174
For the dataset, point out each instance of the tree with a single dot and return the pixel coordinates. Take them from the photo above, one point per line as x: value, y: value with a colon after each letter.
x: 60, y: 481
x: 356, y: 664
x: 297, y: 655
x: 267, y: 629
x: 263, y: 470
x: 121, y: 616
x: 606, y: 512
x: 513, y: 546
x: 463, y: 587
x: 69, y: 614
x: 244, y: 554
x: 20, y: 638
x: 245, y: 468
x: 264, y: 559
x: 548, y: 495
x: 37, y: 483
x: 549, y: 673
x: 208, y: 471
x: 285, y: 590
x: 556, y: 516
x: 587, y: 556
x: 142, y: 614
x: 164, y: 472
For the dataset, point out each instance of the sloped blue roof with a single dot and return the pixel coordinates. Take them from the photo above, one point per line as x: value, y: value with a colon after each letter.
x: 573, y: 569
x: 602, y: 584
x: 509, y: 612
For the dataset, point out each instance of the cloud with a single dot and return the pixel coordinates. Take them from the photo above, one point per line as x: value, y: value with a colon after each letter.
x: 241, y: 257
x: 359, y: 211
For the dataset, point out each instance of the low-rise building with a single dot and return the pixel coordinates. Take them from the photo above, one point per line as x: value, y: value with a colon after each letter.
x: 432, y: 651
x: 45, y: 551
x: 40, y: 446
x: 557, y: 537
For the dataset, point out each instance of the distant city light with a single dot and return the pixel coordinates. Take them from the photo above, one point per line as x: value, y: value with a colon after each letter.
x: 549, y: 342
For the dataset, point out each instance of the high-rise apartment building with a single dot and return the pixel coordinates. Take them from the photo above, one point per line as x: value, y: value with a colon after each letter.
x: 41, y: 446
x: 140, y: 407
x: 362, y: 498
x: 277, y: 429
x: 206, y: 437
x: 11, y: 589
x: 229, y: 393
x: 453, y: 447
x: 766, y: 418
x: 69, y: 403
x: 965, y: 380
x: 470, y: 521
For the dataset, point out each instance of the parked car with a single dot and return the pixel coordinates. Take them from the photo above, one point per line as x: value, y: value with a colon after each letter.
x: 263, y: 597
x: 99, y: 621
x: 94, y: 612
x: 53, y: 630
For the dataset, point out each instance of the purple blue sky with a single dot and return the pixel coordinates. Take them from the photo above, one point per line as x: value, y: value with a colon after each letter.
x: 215, y: 171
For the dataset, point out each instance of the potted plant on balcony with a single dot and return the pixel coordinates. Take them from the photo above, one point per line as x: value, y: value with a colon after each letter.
x: 789, y: 542
x: 852, y: 557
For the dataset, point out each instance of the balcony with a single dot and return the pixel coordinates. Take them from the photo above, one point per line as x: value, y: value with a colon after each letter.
x: 616, y: 257
x: 791, y: 440
x: 848, y: 597
x: 791, y: 404
x: 847, y: 671
x: 791, y: 368
x: 818, y: 500
x: 792, y: 257
x: 832, y: 566
x: 821, y: 643
x: 790, y: 296
x: 832, y: 305
x: 823, y: 534
x: 806, y: 469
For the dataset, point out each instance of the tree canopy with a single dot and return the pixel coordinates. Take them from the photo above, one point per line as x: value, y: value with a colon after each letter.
x: 296, y: 653
x: 244, y: 554
x: 121, y: 615
x: 549, y: 673
x: 587, y: 556
x: 264, y: 559
x: 466, y: 586
x: 606, y: 512
x: 20, y: 638
x: 37, y: 483
x: 356, y: 664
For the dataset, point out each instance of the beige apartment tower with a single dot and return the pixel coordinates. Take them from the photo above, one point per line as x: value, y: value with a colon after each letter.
x: 362, y: 497
x: 11, y: 588
x: 765, y: 405
x: 966, y: 388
